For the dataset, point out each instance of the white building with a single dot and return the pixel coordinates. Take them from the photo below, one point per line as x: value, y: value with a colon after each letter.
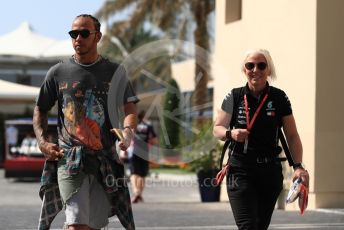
x: 25, y: 56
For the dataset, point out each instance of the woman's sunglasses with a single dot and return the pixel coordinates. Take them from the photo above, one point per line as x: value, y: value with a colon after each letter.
x: 85, y: 33
x: 251, y: 65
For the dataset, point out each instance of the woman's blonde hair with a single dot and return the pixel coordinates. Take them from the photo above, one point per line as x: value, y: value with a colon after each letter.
x: 266, y: 54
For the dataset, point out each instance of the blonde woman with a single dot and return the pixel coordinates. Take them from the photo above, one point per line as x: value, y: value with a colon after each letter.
x: 255, y: 112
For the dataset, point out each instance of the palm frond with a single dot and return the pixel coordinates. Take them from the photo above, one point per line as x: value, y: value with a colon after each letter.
x: 183, y: 19
x: 112, y: 7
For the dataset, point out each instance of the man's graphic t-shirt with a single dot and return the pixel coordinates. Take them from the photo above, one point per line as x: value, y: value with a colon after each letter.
x: 82, y: 95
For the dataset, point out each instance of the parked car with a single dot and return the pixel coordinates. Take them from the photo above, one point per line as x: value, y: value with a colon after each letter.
x: 22, y: 155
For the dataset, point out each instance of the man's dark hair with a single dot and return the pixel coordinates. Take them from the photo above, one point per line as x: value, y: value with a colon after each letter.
x: 95, y: 20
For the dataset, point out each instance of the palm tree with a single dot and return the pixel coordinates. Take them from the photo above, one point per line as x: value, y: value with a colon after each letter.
x: 118, y: 52
x: 173, y: 17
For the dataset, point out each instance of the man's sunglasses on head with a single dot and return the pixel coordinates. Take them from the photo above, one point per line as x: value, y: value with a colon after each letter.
x: 85, y: 33
x: 251, y: 65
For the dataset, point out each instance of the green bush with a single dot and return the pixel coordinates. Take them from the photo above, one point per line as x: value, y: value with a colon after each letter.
x: 206, y: 151
x: 170, y: 139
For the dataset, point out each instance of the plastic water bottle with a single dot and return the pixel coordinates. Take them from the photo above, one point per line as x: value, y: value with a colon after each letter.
x: 294, y: 191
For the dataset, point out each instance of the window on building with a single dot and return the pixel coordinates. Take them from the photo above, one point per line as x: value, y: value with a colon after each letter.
x: 233, y: 10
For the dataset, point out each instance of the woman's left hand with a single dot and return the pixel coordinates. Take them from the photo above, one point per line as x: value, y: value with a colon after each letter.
x: 303, y: 174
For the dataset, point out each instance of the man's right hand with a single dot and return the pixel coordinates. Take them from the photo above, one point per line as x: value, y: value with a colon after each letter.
x: 51, y: 151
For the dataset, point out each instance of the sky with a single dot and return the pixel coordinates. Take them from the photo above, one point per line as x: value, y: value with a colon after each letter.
x: 50, y: 18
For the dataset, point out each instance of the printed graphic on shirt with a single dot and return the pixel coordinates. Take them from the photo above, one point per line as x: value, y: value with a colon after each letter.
x: 82, y: 128
x: 83, y: 115
x: 241, y: 118
x: 270, y: 109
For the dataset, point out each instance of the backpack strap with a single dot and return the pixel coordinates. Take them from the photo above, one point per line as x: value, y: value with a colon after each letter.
x: 285, y: 147
x: 221, y: 174
x: 223, y: 152
x: 236, y: 92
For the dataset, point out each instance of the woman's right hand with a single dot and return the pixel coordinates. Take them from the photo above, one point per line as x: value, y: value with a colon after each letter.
x: 239, y: 135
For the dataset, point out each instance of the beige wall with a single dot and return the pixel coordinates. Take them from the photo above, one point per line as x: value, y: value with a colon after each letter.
x: 299, y: 36
x: 329, y: 126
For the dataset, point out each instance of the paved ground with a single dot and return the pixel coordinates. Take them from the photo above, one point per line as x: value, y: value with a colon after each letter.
x: 171, y: 203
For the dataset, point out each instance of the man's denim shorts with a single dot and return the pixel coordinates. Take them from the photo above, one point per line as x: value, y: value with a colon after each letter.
x: 89, y: 206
